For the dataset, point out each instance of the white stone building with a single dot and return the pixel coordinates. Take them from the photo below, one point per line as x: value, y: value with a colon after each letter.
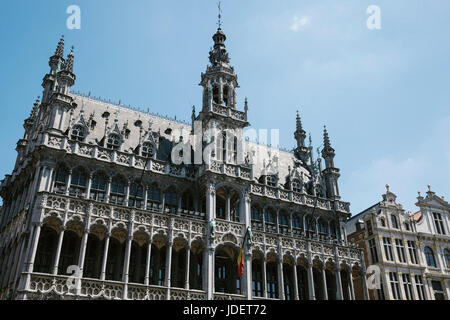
x: 411, y: 251
x: 95, y: 186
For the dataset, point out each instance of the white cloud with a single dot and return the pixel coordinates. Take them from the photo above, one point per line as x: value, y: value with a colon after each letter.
x: 299, y: 24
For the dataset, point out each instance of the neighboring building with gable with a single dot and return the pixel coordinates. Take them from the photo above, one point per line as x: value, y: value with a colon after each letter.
x: 410, y: 250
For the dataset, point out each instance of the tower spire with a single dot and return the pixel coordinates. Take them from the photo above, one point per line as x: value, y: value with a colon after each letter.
x: 59, y: 52
x: 219, y: 17
x: 326, y: 139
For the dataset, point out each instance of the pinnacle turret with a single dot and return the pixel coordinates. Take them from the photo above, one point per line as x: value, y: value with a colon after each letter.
x: 59, y: 52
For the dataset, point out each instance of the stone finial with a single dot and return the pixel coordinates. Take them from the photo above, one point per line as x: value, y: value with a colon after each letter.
x: 429, y: 187
x: 418, y: 193
x: 326, y: 138
x: 69, y: 63
x: 387, y: 187
x: 59, y: 52
x: 299, y: 122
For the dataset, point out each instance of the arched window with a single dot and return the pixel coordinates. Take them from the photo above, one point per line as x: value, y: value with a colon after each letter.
x: 216, y: 93
x: 78, y: 183
x: 136, y: 198
x: 225, y: 93
x: 272, y: 280
x: 171, y: 201
x: 296, y: 185
x: 148, y: 150
x: 323, y: 226
x: 77, y: 133
x: 429, y: 256
x: 383, y: 223
x: 271, y: 181
x: 407, y: 226
x: 284, y: 219
x: 394, y: 222
x: 296, y: 221
x: 447, y: 257
x: 153, y: 197
x: 60, y: 180
x: 221, y: 146
x: 117, y: 194
x: 113, y: 142
x: 98, y: 187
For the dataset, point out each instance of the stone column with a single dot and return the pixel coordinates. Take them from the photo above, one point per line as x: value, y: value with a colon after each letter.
x: 82, y: 254
x: 312, y: 295
x: 363, y: 276
x: 352, y: 289
x: 415, y: 294
x: 58, y: 251
x: 188, y: 265
x: 89, y: 184
x: 105, y: 256
x: 280, y: 278
x: 69, y: 181
x: 126, y: 265
x: 168, y: 267
x: 339, y: 294
x: 108, y: 189
x: 324, y: 281
x: 37, y: 232
x: 296, y: 296
x: 227, y: 206
x: 248, y: 275
x: 264, y: 272
x: 147, y: 260
x: 210, y: 273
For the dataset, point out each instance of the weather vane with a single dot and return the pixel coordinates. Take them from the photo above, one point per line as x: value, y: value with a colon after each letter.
x: 220, y: 15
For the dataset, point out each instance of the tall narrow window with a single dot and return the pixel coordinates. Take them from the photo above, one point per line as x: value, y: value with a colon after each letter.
x: 272, y: 280
x: 296, y: 186
x: 271, y: 181
x: 153, y: 197
x: 447, y: 257
x: 400, y: 250
x: 394, y: 222
x: 373, y: 251
x: 117, y: 194
x: 412, y: 249
x: 407, y: 286
x: 429, y: 256
x: 136, y: 197
x: 60, y: 180
x: 419, y: 286
x: 394, y: 285
x: 171, y: 201
x: 78, y: 183
x: 256, y: 213
x: 439, y: 224
x: 257, y: 279
x: 369, y: 227
x: 438, y: 291
x: 388, y: 249
x: 98, y: 187
x: 226, y: 91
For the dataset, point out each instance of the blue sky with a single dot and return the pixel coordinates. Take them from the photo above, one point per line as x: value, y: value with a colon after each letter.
x: 383, y: 94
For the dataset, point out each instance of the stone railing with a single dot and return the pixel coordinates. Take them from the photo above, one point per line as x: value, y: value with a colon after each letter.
x: 229, y: 112
x: 109, y: 290
x: 228, y: 296
x: 229, y: 169
x: 117, y: 157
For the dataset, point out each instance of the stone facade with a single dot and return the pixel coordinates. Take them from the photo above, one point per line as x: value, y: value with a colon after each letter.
x: 410, y: 250
x: 95, y: 186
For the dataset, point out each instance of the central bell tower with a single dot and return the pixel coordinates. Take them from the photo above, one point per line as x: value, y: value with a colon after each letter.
x: 222, y: 122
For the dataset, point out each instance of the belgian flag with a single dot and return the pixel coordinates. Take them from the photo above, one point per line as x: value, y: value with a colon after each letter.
x: 240, y: 262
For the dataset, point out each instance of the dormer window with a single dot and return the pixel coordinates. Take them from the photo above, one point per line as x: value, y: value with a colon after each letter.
x: 77, y: 133
x: 271, y: 181
x: 113, y: 142
x: 148, y: 150
x: 296, y: 186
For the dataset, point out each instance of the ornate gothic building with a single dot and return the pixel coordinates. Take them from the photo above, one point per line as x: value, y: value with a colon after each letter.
x: 97, y: 208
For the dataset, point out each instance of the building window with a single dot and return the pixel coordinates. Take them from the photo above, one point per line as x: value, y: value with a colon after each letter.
x: 438, y: 292
x: 407, y: 226
x: 447, y: 257
x: 148, y: 150
x: 257, y: 278
x: 394, y: 222
x: 78, y: 183
x: 136, y: 198
x: 153, y: 197
x: 296, y: 221
x: 117, y: 194
x: 383, y: 223
x: 394, y: 285
x: 256, y: 213
x: 171, y: 201
x: 77, y: 133
x: 284, y: 221
x: 269, y: 216
x: 429, y: 256
x: 412, y: 249
x: 400, y: 250
x: 272, y: 280
x: 388, y: 249
x: 369, y: 227
x: 380, y: 292
x: 373, y: 250
x: 113, y: 142
x: 60, y: 180
x: 98, y: 188
x: 407, y: 286
x: 271, y: 181
x: 296, y: 186
x: 419, y: 287
x: 439, y: 224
